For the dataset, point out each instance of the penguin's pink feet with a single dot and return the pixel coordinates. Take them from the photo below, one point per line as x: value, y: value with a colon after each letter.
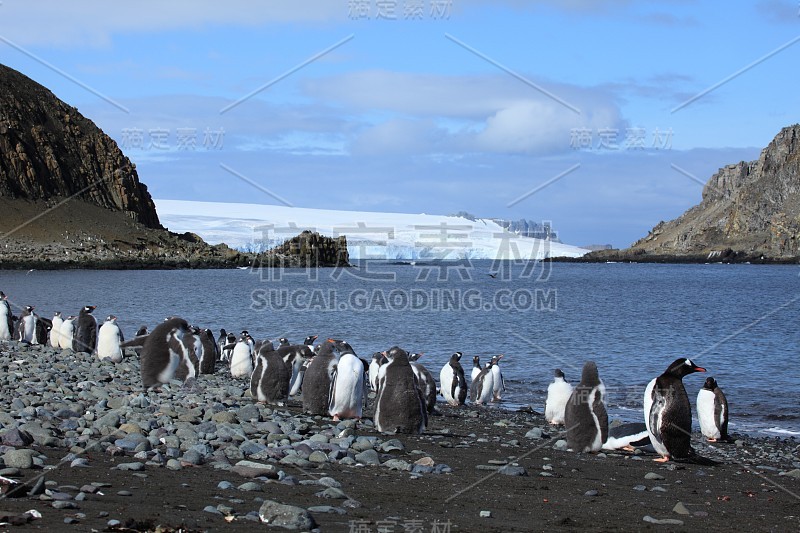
x: 661, y: 459
x: 712, y: 440
x: 629, y: 448
x: 335, y: 418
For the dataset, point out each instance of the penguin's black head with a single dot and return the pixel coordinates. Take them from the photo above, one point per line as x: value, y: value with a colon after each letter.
x: 89, y: 308
x: 110, y: 318
x: 710, y: 384
x: 683, y: 367
x: 284, y: 341
x: 496, y: 359
x: 223, y: 333
x: 476, y: 360
x: 310, y: 340
x: 559, y: 374
x: 415, y: 356
x: 590, y: 376
x: 377, y: 356
x: 2, y: 295
x: 395, y: 353
x: 458, y: 356
x: 29, y: 308
x: 231, y: 337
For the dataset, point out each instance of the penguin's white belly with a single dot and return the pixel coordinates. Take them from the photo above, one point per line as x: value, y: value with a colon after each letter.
x: 347, y: 395
x: 705, y: 414
x: 5, y: 334
x: 55, y: 332
x: 241, y: 363
x: 373, y: 375
x: 29, y: 328
x: 657, y: 416
x: 558, y: 394
x: 475, y: 372
x: 597, y: 442
x: 259, y: 390
x: 65, y: 334
x: 487, y: 390
x: 446, y: 380
x: 172, y: 365
x: 108, y: 343
x: 497, y: 383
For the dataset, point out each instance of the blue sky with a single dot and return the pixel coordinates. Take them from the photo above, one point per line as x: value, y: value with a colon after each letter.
x: 575, y: 111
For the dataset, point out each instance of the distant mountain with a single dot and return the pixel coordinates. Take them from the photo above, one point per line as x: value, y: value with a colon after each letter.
x: 749, y: 211
x: 49, y: 151
x: 751, y: 207
x: 70, y: 198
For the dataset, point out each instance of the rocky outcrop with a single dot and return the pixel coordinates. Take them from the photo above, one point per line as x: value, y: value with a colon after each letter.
x: 749, y: 211
x: 50, y: 152
x: 309, y: 249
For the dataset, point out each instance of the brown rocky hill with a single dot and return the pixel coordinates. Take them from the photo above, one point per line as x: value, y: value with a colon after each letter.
x: 749, y: 211
x: 48, y: 150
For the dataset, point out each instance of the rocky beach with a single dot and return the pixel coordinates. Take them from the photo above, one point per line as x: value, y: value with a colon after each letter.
x: 85, y: 448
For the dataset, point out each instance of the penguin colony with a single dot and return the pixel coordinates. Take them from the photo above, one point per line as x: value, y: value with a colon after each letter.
x: 334, y: 381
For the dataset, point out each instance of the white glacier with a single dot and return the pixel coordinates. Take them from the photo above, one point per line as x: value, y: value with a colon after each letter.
x: 390, y: 236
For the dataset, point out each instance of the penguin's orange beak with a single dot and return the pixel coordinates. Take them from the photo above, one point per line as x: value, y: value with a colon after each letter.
x: 699, y: 369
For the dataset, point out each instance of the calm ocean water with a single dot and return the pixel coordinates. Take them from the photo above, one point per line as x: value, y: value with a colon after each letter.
x: 738, y: 321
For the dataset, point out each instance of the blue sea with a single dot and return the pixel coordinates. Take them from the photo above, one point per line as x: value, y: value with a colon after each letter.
x: 740, y: 322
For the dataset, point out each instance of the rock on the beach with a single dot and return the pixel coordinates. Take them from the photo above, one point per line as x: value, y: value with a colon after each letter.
x: 653, y: 476
x: 511, y: 470
x: 535, y: 433
x: 792, y: 473
x: 286, y: 516
x: 560, y: 444
x: 16, y: 437
x: 485, y: 514
x: 663, y: 521
x: 368, y: 457
x: 680, y: 508
x: 22, y: 459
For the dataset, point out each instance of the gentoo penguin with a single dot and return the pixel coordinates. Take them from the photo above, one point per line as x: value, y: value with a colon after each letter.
x: 269, y: 382
x: 375, y: 363
x: 222, y: 340
x: 66, y: 332
x: 627, y: 437
x: 241, y: 357
x: 558, y: 393
x: 210, y: 351
x: 399, y: 407
x: 425, y: 380
x: 712, y: 411
x: 482, y: 387
x: 163, y: 351
x: 109, y: 338
x: 668, y: 413
x: 85, y: 336
x: 298, y: 382
x: 189, y: 366
x: 318, y: 378
x: 585, y: 415
x: 6, y: 322
x: 498, y: 383
x: 476, y: 368
x: 347, y: 384
x: 227, y: 348
x: 55, y: 329
x: 43, y: 327
x: 293, y: 356
x: 26, y: 327
x: 141, y: 331
x: 453, y: 384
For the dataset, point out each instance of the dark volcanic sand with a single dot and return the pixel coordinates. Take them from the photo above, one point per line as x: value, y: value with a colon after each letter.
x: 728, y: 497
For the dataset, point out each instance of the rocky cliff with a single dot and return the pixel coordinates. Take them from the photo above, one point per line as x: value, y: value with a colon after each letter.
x: 49, y: 151
x: 749, y: 211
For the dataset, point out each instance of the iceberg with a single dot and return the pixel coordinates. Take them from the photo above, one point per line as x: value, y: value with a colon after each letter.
x: 370, y: 235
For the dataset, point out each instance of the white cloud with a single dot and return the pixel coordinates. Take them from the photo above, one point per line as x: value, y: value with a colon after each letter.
x: 95, y: 22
